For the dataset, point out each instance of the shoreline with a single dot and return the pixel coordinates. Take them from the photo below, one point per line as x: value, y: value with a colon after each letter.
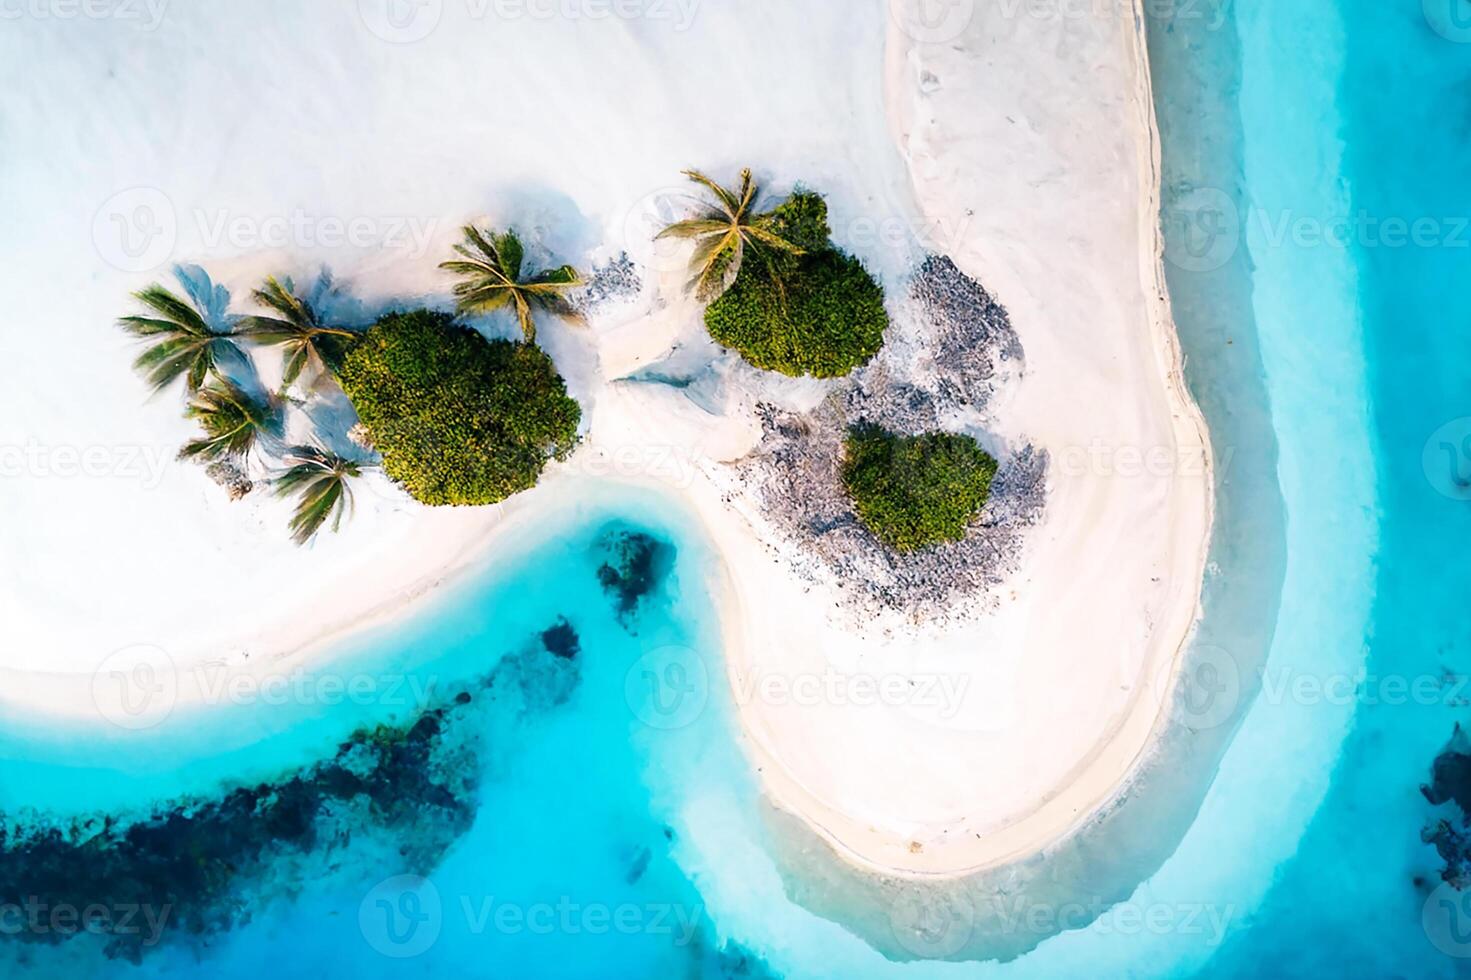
x: 1106, y: 773
x: 867, y: 835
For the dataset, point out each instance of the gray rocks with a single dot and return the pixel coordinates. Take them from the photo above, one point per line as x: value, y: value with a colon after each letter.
x: 941, y: 366
x: 228, y: 474
x: 614, y: 282
x: 972, y: 332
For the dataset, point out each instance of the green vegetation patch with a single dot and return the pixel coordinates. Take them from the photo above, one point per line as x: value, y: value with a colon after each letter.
x: 459, y: 419
x: 818, y: 313
x: 916, y: 491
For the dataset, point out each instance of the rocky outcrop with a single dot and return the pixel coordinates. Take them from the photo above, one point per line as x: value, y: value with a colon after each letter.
x: 1450, y: 782
x: 949, y: 348
x: 229, y: 474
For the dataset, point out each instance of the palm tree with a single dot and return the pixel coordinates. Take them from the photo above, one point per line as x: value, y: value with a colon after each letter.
x: 233, y: 421
x: 321, y: 479
x: 184, y: 340
x: 490, y: 278
x: 297, y: 328
x: 722, y: 232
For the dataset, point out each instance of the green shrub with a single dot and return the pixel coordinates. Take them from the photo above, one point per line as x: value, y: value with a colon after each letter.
x: 824, y: 316
x: 819, y: 313
x: 459, y: 419
x: 915, y: 491
x: 802, y: 220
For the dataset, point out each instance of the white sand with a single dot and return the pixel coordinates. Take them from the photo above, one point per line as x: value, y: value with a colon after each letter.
x: 1033, y: 158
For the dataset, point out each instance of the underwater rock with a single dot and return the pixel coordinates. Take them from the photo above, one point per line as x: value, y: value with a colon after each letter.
x: 1454, y: 849
x: 560, y: 639
x: 1451, y: 783
x: 636, y: 564
x: 1451, y: 774
x: 193, y: 868
x: 181, y: 866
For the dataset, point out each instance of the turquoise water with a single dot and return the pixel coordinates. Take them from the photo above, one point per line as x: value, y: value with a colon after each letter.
x: 567, y: 861
x: 1349, y: 899
x: 610, y: 831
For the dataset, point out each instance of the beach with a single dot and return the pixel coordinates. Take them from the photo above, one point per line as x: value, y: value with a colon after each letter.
x: 1022, y: 146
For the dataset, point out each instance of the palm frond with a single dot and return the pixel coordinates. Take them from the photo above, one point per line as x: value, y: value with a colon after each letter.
x: 693, y: 228
x: 725, y: 233
x: 232, y: 419
x: 767, y: 237
x: 298, y: 328
x: 728, y: 201
x: 490, y: 271
x: 173, y: 309
x: 511, y: 254
x: 322, y: 482
x: 184, y: 343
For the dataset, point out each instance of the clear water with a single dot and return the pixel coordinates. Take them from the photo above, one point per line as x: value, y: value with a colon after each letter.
x: 1348, y: 898
x: 1304, y: 857
x: 571, y: 866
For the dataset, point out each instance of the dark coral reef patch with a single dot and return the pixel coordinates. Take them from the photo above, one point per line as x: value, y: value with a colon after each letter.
x: 182, y: 870
x: 634, y: 564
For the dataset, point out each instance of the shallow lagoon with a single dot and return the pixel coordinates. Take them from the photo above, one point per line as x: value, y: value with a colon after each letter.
x: 584, y: 769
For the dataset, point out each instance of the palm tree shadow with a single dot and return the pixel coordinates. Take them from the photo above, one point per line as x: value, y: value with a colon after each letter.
x: 332, y: 417
x: 213, y: 302
x: 338, y: 305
